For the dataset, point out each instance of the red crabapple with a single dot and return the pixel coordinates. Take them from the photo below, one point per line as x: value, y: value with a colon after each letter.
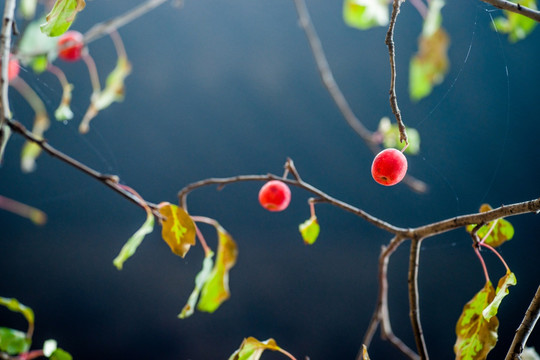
x: 389, y: 167
x: 70, y: 46
x: 275, y: 195
x: 13, y: 68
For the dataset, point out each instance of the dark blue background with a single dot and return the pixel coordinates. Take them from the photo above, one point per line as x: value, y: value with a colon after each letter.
x: 227, y: 88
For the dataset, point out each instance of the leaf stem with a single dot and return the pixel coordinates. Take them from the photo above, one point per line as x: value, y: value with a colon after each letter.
x: 204, y: 244
x: 496, y: 253
x: 484, y: 267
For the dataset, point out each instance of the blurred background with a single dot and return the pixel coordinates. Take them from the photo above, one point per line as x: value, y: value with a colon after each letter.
x: 226, y: 88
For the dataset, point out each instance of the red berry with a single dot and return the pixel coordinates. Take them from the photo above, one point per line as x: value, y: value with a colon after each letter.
x: 70, y: 46
x: 13, y: 68
x: 275, y: 195
x: 389, y: 167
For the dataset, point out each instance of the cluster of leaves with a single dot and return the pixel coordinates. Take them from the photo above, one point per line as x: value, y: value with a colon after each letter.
x: 430, y: 64
x: 477, y: 326
x: 39, y: 48
x: 14, y: 342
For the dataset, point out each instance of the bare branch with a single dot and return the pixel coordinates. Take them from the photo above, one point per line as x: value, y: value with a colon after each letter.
x: 391, y: 51
x: 111, y: 181
x: 5, y: 50
x: 515, y: 8
x: 532, y: 206
x: 328, y: 78
x: 381, y: 314
x: 323, y: 197
x: 414, y: 303
x: 525, y: 328
x: 106, y: 27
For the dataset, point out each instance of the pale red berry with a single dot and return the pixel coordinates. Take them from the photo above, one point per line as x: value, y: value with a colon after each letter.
x: 13, y: 68
x: 389, y: 167
x: 70, y: 46
x: 275, y: 195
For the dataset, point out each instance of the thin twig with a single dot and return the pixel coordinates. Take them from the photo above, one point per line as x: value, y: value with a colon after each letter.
x: 111, y: 181
x: 101, y: 29
x: 392, y: 52
x: 414, y: 302
x: 525, y: 328
x: 328, y: 78
x: 515, y: 8
x: 5, y: 50
x: 330, y: 84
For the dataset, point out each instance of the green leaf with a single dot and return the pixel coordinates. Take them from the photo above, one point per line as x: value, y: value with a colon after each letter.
x: 61, y: 16
x: 13, y: 341
x: 365, y: 14
x: 15, y: 306
x: 252, y: 349
x: 501, y: 233
x: 201, y: 279
x: 502, y: 290
x: 134, y: 241
x: 310, y: 230
x: 216, y: 289
x: 113, y: 91
x: 429, y: 66
x: 515, y: 25
x: 391, y: 137
x: 60, y: 354
x: 476, y: 336
x: 36, y: 49
x: 32, y: 150
x: 178, y: 230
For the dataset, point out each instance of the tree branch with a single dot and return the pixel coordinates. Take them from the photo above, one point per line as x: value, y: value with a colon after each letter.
x: 515, y: 8
x: 5, y: 50
x: 381, y: 314
x: 391, y: 51
x: 112, y: 181
x: 323, y: 197
x: 106, y: 27
x: 525, y: 328
x: 414, y: 303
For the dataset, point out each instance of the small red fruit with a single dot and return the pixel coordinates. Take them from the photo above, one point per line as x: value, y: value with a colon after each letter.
x: 70, y: 46
x: 275, y: 195
x: 389, y: 167
x: 13, y: 68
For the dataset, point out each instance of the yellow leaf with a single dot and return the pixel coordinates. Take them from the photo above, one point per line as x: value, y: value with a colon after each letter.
x: 476, y: 336
x: 178, y: 230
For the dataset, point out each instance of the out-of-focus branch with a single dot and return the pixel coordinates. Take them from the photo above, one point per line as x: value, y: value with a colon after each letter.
x: 525, y: 328
x: 335, y: 92
x: 106, y: 27
x: 381, y: 314
x: 515, y: 8
x: 5, y: 50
